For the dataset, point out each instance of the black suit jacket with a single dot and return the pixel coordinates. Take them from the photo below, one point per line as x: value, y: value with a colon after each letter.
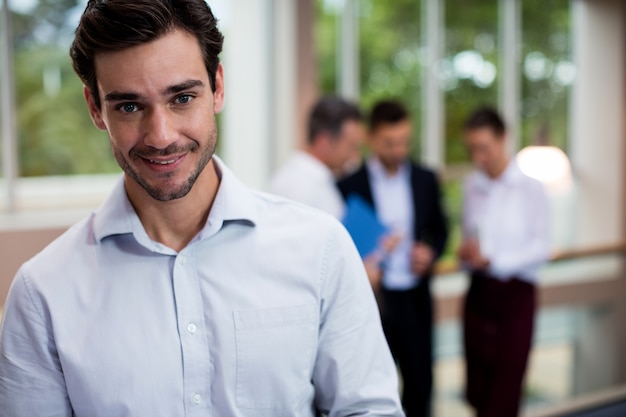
x: 430, y: 225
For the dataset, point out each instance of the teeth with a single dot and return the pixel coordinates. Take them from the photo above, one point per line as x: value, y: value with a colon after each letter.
x: 163, y: 162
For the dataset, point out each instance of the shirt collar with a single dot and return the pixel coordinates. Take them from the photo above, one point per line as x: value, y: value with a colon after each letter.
x: 378, y: 171
x: 234, y: 203
x: 512, y: 175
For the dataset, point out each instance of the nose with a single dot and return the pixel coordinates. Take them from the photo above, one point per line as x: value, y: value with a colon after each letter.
x: 159, y: 128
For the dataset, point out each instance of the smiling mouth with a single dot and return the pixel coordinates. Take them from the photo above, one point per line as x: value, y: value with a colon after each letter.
x: 152, y: 161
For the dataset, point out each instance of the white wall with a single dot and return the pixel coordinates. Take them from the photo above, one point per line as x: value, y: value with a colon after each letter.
x: 260, y: 70
x: 597, y: 147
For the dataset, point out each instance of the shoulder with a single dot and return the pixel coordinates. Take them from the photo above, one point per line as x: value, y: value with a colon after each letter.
x: 529, y: 184
x: 280, y: 211
x: 423, y: 172
x: 474, y: 180
x: 424, y: 180
x: 286, y: 173
x: 54, y: 262
x: 290, y: 225
x: 533, y: 186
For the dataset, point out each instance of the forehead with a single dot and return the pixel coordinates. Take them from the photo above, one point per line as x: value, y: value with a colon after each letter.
x: 482, y: 135
x: 351, y: 127
x: 171, y: 58
x: 390, y: 131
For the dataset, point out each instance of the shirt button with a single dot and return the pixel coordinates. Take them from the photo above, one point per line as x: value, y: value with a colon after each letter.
x: 183, y: 260
x: 191, y: 328
x: 196, y: 399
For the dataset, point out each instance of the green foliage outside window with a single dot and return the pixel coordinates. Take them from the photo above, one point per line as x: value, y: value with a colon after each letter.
x: 55, y: 133
x: 389, y: 53
x: 547, y: 72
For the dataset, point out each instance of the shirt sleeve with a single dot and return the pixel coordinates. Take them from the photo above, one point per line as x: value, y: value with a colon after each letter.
x: 31, y: 379
x: 537, y: 249
x: 467, y: 229
x: 354, y: 372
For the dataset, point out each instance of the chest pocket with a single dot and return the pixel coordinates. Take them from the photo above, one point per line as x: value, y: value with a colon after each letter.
x: 275, y: 353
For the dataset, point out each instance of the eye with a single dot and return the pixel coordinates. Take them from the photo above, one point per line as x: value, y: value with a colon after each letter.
x: 183, y: 99
x: 128, y: 107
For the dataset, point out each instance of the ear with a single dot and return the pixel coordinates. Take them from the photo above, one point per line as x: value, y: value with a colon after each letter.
x: 218, y: 96
x: 325, y: 141
x: 94, y: 111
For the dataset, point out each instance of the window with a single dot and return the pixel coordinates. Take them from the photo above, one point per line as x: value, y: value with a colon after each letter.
x: 468, y: 70
x: 389, y: 53
x: 547, y: 72
x: 55, y: 133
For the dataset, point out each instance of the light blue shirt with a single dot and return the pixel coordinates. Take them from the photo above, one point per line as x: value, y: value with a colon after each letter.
x: 393, y: 198
x: 268, y: 312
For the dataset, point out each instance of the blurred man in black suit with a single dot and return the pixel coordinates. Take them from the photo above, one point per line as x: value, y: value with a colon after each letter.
x: 406, y: 198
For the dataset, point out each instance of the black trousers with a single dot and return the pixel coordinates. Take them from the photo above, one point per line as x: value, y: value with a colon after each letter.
x: 407, y: 318
x: 498, y: 328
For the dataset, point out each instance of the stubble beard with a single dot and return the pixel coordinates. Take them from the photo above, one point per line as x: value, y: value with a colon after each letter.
x: 167, y: 193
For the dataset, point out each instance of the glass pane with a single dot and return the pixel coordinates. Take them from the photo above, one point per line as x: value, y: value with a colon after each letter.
x: 325, y: 36
x: 452, y: 192
x: 469, y: 68
x: 390, y: 56
x: 3, y: 186
x: 547, y: 71
x: 55, y: 133
x: 389, y: 52
x: 469, y: 77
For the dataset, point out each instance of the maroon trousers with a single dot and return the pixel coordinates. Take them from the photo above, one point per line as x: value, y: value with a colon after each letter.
x: 498, y: 328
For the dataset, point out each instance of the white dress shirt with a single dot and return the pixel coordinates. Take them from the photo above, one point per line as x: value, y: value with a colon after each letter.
x: 307, y: 180
x: 393, y: 199
x: 267, y: 312
x: 509, y: 216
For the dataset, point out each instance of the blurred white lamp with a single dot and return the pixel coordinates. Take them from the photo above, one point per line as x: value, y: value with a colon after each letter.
x: 548, y: 164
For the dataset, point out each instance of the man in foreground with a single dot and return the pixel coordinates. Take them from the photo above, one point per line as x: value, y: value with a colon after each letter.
x: 186, y: 293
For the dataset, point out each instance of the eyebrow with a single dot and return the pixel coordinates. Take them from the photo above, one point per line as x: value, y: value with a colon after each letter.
x: 172, y: 89
x: 186, y: 85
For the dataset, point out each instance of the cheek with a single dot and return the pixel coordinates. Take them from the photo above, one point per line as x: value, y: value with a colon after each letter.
x: 119, y: 137
x: 477, y: 157
x: 490, y: 156
x: 198, y: 124
x: 399, y: 151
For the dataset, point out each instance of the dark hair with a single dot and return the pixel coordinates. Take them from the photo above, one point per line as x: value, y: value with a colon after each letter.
x: 113, y: 25
x: 329, y: 114
x: 387, y: 112
x: 486, y: 117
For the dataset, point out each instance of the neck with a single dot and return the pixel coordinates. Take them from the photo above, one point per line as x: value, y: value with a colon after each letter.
x: 498, y: 169
x: 313, y: 152
x: 321, y: 157
x: 390, y: 168
x: 175, y: 223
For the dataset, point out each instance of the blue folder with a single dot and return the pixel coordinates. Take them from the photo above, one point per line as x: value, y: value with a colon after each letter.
x: 363, y: 225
